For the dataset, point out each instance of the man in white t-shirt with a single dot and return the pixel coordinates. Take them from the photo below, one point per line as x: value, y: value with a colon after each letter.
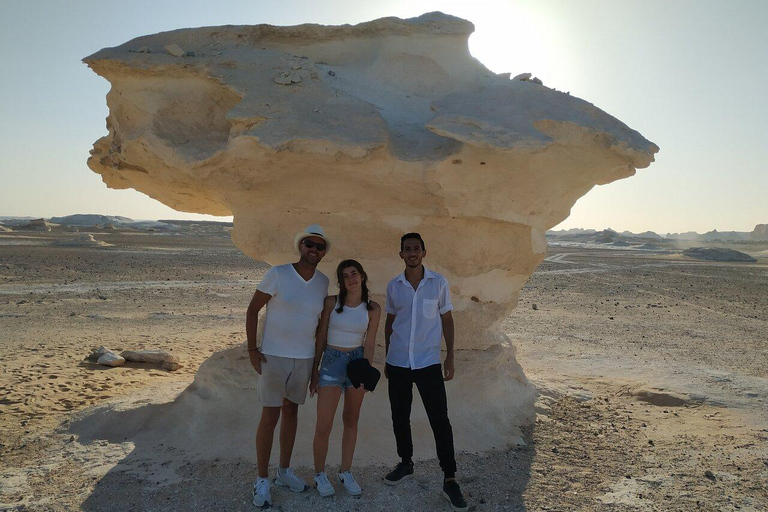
x: 294, y: 295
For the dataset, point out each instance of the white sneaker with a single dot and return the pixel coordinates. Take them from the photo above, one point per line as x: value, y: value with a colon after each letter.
x: 350, y: 484
x: 324, y: 486
x: 261, y: 494
x: 287, y: 478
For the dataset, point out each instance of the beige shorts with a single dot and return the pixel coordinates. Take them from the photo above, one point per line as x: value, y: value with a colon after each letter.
x: 284, y: 377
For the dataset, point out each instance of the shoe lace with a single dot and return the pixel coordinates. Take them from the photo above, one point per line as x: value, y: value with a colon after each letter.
x: 322, y: 479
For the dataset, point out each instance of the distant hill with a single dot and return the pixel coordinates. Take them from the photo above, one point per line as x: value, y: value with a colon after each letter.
x: 724, y: 235
x: 91, y: 219
x: 644, y: 234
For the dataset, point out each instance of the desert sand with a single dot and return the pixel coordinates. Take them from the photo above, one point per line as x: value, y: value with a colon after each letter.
x: 649, y: 368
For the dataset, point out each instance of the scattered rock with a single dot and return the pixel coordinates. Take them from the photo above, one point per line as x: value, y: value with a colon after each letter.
x: 170, y: 366
x: 522, y: 77
x: 149, y: 356
x: 709, y: 474
x: 190, y: 54
x: 96, y: 353
x: 537, y: 80
x: 144, y: 49
x: 534, y: 307
x: 174, y: 50
x: 111, y: 359
x: 518, y: 442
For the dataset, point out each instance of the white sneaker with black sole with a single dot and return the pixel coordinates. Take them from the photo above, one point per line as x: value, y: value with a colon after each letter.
x: 261, y: 495
x: 287, y: 478
x: 350, y: 484
x: 324, y: 486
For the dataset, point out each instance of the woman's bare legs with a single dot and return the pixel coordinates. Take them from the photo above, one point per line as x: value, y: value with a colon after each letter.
x: 327, y: 402
x: 353, y: 400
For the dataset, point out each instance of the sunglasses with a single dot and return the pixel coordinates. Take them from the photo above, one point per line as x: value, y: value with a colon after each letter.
x: 309, y: 244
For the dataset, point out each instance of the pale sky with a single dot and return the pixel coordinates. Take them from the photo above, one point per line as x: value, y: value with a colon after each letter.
x: 689, y: 75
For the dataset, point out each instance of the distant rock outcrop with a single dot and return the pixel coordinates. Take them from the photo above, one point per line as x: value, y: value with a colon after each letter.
x: 87, y: 220
x: 760, y: 232
x: 723, y: 235
x: 717, y: 254
x: 35, y: 225
x: 82, y: 240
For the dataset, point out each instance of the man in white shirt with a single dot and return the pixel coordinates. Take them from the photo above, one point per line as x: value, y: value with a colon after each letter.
x: 419, y: 309
x: 294, y: 295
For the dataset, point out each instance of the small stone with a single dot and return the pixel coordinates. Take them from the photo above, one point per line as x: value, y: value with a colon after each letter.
x: 709, y: 474
x: 174, y: 50
x: 331, y: 73
x: 522, y: 77
x: 96, y: 353
x: 149, y: 356
x: 110, y: 359
x: 537, y: 80
x: 518, y: 442
x: 534, y: 307
x: 144, y: 49
x: 190, y: 54
x: 170, y: 366
x: 282, y: 79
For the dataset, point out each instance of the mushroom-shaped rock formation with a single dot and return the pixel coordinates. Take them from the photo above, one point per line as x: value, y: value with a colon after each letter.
x: 371, y: 130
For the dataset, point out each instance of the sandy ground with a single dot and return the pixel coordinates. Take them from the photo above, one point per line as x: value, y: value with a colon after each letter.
x: 651, y: 371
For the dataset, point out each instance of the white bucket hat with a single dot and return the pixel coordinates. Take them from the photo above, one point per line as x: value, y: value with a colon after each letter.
x: 312, y: 230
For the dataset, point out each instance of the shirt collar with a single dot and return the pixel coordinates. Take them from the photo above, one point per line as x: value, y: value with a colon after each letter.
x: 428, y: 274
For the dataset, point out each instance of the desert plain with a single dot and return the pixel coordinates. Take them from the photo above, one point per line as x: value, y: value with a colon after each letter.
x: 651, y: 373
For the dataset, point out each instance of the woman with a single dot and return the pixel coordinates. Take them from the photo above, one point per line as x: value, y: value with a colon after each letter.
x: 347, y: 332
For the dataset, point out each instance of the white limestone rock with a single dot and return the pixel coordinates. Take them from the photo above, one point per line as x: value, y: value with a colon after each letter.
x: 97, y: 352
x: 158, y: 357
x: 414, y: 135
x: 111, y: 359
x: 371, y: 130
x: 174, y: 50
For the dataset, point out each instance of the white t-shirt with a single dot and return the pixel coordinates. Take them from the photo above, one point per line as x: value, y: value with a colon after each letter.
x: 293, y: 312
x: 417, y: 331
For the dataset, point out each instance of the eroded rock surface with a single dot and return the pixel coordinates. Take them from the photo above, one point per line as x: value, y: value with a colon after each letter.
x: 370, y: 130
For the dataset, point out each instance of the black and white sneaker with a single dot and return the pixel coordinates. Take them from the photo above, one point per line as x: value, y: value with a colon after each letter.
x: 452, y: 493
x: 403, y: 471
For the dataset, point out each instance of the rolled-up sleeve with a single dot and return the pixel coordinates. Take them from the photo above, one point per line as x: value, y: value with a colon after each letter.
x: 270, y: 282
x: 444, y: 300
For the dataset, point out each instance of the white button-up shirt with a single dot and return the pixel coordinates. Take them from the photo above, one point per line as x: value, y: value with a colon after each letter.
x: 418, y: 329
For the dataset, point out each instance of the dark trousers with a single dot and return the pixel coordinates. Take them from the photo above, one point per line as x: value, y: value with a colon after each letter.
x: 429, y: 382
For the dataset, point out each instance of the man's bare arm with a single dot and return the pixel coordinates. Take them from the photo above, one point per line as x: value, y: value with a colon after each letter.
x: 448, y: 367
x: 387, y: 334
x: 258, y: 301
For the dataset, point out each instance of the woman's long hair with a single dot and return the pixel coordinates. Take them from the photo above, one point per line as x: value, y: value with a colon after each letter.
x: 343, y: 291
